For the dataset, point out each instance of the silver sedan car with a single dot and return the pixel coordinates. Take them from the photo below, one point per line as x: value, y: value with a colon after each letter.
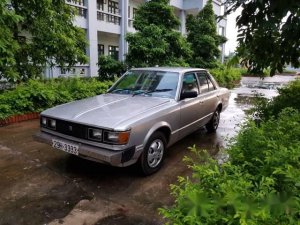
x: 142, y: 114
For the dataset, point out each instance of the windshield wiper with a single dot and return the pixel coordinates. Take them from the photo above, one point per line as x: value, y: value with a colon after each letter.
x: 151, y: 91
x: 120, y: 90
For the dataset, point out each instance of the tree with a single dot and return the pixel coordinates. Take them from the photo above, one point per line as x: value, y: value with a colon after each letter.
x: 269, y: 33
x: 7, y: 44
x: 203, y: 36
x: 156, y: 41
x: 109, y: 68
x: 36, y: 34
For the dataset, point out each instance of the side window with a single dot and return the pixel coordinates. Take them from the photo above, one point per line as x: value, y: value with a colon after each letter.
x: 189, y: 83
x: 203, y: 82
x: 210, y: 84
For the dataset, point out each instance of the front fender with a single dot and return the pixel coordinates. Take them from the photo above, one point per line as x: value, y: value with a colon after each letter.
x: 154, y: 128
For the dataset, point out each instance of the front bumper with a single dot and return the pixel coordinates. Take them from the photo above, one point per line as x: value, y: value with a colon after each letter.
x: 122, y: 158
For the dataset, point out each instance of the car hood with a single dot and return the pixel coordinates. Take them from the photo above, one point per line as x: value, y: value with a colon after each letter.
x: 107, y: 110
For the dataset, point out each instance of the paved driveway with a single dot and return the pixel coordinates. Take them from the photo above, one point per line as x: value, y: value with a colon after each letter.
x: 40, y: 184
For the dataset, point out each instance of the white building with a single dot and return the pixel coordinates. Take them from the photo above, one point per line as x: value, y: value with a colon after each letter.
x: 106, y: 23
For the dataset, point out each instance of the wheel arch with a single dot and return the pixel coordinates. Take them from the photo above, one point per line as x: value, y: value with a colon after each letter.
x: 163, y: 127
x: 220, y: 107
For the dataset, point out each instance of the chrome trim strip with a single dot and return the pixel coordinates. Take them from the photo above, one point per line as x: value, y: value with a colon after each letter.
x: 175, y: 131
x: 139, y: 147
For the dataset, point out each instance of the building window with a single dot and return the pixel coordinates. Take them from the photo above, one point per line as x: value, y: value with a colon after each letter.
x: 100, y: 5
x: 134, y: 13
x: 76, y: 2
x: 113, y: 51
x: 63, y: 71
x: 100, y: 16
x: 100, y: 49
x: 81, y: 11
x: 221, y: 31
x: 82, y: 71
x: 113, y: 7
x: 128, y: 11
x: 113, y: 19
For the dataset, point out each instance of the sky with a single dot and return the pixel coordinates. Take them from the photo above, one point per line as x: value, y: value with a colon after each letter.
x: 231, y: 32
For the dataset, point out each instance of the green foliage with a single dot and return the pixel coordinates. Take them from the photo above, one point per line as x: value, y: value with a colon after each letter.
x: 35, y: 34
x: 158, y: 13
x: 202, y: 34
x: 156, y: 41
x: 227, y: 76
x: 8, y: 46
x: 35, y: 95
x: 269, y: 33
x: 109, y: 68
x: 258, y: 185
x: 289, y: 96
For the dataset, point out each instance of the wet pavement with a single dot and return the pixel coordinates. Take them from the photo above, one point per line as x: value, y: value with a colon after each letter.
x: 40, y: 185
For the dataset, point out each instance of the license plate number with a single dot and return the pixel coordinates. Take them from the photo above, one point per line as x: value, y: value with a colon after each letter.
x: 64, y: 146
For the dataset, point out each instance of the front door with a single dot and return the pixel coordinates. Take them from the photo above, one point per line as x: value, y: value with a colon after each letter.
x: 190, y: 108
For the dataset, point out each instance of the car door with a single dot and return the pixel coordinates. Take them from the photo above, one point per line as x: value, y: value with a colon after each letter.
x: 190, y: 108
x: 208, y: 97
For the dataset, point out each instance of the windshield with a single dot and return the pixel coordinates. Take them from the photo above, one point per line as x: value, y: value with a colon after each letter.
x: 147, y: 83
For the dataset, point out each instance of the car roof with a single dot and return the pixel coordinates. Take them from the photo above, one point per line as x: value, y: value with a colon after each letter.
x: 169, y: 69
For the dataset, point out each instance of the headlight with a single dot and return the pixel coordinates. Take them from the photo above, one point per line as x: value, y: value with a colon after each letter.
x: 44, y: 121
x: 95, y: 134
x: 116, y: 137
x: 52, y: 123
x: 48, y: 123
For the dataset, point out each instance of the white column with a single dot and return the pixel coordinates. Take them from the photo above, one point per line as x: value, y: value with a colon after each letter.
x: 92, y: 37
x: 124, y: 27
x: 183, y: 22
x: 224, y: 45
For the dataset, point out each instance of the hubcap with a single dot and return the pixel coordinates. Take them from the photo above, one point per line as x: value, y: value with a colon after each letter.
x: 155, y: 153
x: 216, y: 120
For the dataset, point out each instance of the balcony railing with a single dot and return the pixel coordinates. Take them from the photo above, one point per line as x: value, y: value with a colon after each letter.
x: 79, y: 6
x: 76, y: 2
x: 108, y: 17
x: 81, y: 12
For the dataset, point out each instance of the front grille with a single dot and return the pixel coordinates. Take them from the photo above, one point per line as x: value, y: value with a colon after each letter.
x: 71, y: 129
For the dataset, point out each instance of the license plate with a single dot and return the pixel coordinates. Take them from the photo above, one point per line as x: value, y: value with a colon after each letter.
x: 64, y: 146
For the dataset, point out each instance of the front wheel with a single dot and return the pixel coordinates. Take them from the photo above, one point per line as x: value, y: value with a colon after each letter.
x: 213, y: 124
x: 153, y: 154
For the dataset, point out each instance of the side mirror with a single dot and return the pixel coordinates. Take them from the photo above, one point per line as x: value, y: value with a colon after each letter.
x: 188, y: 94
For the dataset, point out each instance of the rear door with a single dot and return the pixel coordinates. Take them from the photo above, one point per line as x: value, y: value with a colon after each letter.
x: 208, y: 96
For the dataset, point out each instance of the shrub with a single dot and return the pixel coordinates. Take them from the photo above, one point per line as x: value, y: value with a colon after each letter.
x: 109, y: 68
x: 289, y: 96
x: 227, y: 77
x: 258, y: 185
x: 35, y: 95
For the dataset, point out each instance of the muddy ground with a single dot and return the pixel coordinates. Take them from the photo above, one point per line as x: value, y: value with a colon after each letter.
x: 40, y: 185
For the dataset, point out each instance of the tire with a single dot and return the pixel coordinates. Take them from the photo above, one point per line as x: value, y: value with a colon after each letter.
x: 213, y: 124
x: 153, y: 155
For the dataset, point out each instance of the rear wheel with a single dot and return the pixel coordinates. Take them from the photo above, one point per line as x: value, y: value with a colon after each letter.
x: 213, y: 124
x: 152, y: 157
